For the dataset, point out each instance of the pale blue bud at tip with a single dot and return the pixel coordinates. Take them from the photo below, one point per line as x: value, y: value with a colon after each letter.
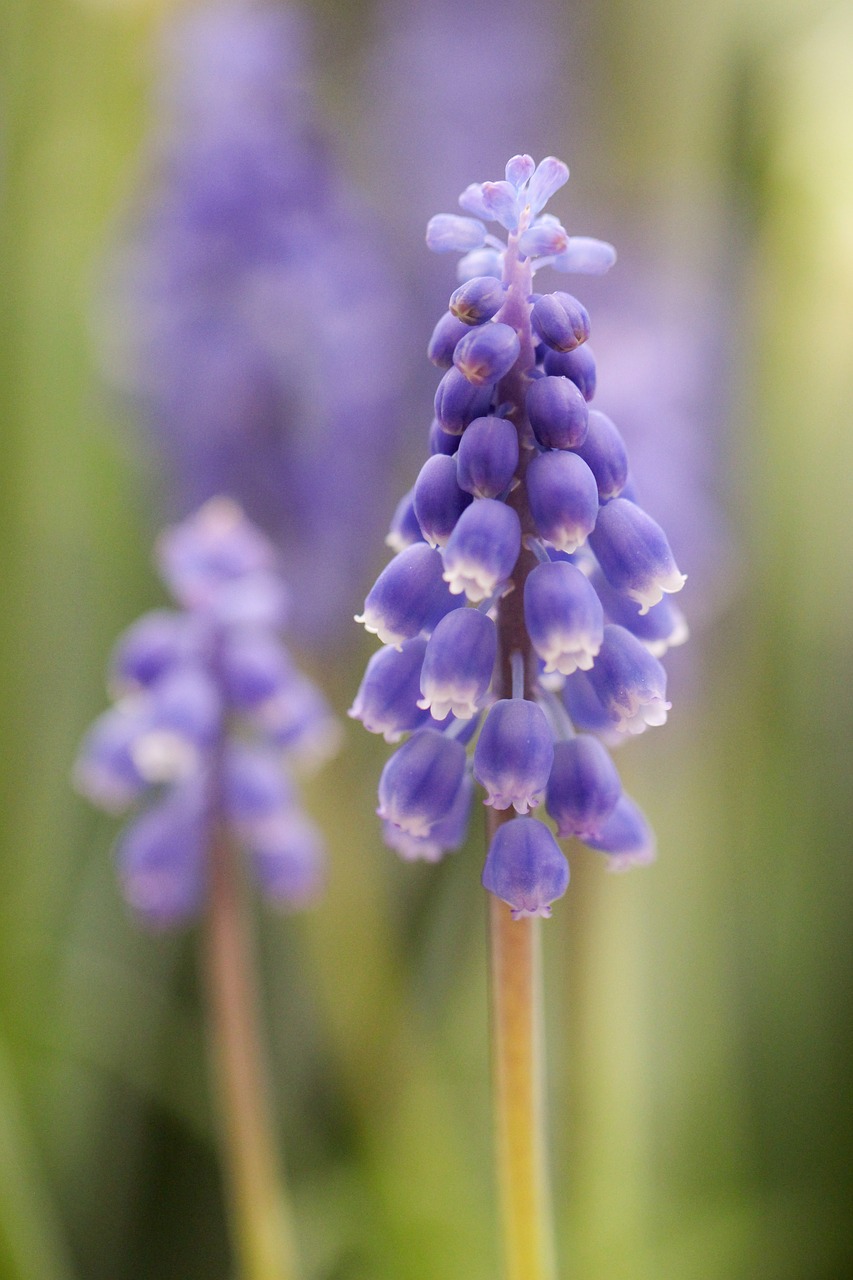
x: 482, y: 551
x: 585, y: 256
x: 458, y: 664
x: 625, y: 836
x: 563, y: 616
x: 502, y: 202
x: 450, y: 233
x: 525, y: 868
x: 520, y: 169
x: 387, y: 698
x: 514, y: 754
x: 550, y: 175
x: 439, y: 501
x: 634, y: 553
x: 487, y: 457
x: 421, y: 781
x: 583, y: 787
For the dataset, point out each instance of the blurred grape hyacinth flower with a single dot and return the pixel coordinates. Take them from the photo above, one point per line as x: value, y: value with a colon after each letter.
x: 209, y: 715
x: 248, y: 313
x: 549, y: 641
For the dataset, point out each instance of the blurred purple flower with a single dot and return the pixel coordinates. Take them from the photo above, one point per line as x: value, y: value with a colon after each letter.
x: 249, y: 312
x: 201, y: 695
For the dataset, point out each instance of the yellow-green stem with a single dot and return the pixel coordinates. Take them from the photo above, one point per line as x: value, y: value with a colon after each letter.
x: 260, y: 1221
x: 517, y: 1073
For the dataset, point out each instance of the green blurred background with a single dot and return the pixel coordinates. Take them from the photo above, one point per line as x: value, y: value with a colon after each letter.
x: 699, y: 1015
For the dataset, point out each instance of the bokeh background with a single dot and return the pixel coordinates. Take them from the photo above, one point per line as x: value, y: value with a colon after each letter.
x: 699, y: 1013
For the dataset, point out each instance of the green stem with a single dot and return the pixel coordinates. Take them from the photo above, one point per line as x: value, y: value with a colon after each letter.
x: 260, y: 1221
x: 517, y: 1066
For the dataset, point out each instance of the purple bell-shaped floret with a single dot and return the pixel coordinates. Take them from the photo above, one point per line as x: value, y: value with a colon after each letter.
x: 514, y: 754
x: 408, y: 597
x: 254, y: 666
x: 661, y: 628
x: 447, y: 835
x: 254, y: 784
x: 634, y: 554
x: 625, y: 836
x: 154, y: 644
x: 458, y: 664
x: 583, y: 787
x: 605, y: 454
x: 106, y: 771
x: 563, y: 498
x: 482, y: 550
x: 420, y: 782
x: 439, y: 501
x: 564, y: 617
x: 630, y: 683
x: 487, y: 457
x: 526, y: 868
x: 387, y: 698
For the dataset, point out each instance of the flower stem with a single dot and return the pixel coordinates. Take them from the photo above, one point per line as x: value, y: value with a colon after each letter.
x: 517, y: 1066
x: 517, y: 1039
x: 258, y: 1209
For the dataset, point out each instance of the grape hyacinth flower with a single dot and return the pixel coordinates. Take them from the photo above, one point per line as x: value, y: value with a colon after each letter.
x: 210, y: 717
x: 542, y: 539
x: 209, y: 713
x: 525, y: 478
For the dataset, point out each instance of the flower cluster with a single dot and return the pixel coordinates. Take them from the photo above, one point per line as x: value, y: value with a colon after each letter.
x: 527, y: 599
x: 209, y: 708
